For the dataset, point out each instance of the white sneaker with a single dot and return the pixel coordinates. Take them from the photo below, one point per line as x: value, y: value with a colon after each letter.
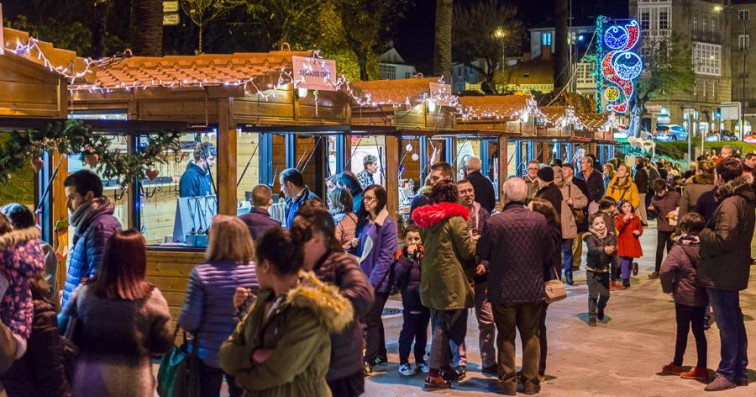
x: 424, y: 368
x: 406, y: 370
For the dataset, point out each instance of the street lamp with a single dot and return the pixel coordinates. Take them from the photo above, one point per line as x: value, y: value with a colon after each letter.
x: 499, y: 33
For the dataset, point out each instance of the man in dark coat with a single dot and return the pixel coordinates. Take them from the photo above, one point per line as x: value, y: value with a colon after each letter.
x: 593, y: 180
x: 547, y: 190
x: 643, y: 183
x: 477, y: 272
x: 724, y: 267
x: 439, y: 171
x: 296, y: 192
x: 258, y: 220
x: 484, y: 190
x: 518, y: 245
x: 196, y: 180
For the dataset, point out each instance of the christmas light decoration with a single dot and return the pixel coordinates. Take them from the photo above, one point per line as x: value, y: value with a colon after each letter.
x: 619, y: 67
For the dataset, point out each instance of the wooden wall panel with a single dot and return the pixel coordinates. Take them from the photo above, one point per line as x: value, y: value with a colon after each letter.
x: 247, y: 144
x: 169, y: 271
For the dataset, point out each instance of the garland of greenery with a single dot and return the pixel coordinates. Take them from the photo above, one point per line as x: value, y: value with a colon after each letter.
x: 74, y: 137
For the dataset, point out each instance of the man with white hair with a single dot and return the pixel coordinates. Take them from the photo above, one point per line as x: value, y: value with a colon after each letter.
x: 484, y: 190
x: 523, y: 250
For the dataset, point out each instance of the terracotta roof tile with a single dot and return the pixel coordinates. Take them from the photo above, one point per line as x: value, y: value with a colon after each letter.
x: 199, y: 70
x: 494, y: 106
x: 394, y: 91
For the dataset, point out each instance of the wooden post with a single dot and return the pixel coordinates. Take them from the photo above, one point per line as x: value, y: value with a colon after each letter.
x: 503, y: 172
x: 392, y: 174
x: 226, y: 180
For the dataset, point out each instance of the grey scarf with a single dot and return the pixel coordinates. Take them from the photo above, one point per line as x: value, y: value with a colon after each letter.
x: 83, y: 215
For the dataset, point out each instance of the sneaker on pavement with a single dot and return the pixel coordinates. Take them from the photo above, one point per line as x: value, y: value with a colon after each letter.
x: 720, y: 383
x: 492, y: 370
x: 618, y: 285
x: 592, y: 322
x: 367, y: 370
x: 672, y: 369
x: 600, y: 314
x: 696, y: 373
x: 653, y: 276
x: 406, y: 370
x: 741, y: 382
x: 422, y: 367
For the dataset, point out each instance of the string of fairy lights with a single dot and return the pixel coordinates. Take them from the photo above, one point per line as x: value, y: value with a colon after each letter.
x: 82, y: 72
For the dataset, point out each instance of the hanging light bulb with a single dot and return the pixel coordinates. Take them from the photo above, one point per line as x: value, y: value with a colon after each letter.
x: 431, y: 105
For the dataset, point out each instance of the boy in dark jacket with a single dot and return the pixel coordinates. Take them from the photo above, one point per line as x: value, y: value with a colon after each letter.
x: 416, y: 316
x: 678, y: 277
x: 602, y: 253
x: 663, y: 203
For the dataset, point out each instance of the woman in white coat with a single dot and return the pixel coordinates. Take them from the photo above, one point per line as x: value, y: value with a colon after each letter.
x: 572, y: 199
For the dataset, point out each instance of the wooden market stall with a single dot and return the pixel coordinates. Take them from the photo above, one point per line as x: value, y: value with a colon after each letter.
x: 246, y: 104
x: 513, y: 118
x: 565, y: 132
x: 402, y: 121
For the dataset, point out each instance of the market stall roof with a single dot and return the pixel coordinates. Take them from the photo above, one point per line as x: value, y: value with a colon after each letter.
x: 399, y: 93
x: 64, y: 62
x: 255, y: 71
x: 556, y: 115
x: 497, y: 107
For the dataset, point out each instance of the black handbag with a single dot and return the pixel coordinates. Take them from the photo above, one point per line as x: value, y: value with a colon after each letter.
x: 178, y: 375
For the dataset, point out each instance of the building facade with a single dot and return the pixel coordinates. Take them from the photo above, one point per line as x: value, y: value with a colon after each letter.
x: 705, y: 27
x: 393, y: 67
x: 542, y: 46
x: 743, y: 23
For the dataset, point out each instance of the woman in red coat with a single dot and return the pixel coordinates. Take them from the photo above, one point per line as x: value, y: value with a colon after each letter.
x: 629, y: 230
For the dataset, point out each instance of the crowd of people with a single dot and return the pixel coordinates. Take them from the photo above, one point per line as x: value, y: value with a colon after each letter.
x: 297, y: 310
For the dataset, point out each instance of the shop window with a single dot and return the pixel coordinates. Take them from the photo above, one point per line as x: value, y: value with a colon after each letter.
x: 177, y: 206
x: 368, y: 145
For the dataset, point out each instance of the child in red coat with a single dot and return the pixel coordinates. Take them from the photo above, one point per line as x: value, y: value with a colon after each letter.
x: 629, y: 230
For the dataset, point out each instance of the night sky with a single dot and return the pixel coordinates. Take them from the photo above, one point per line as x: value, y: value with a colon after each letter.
x: 415, y: 39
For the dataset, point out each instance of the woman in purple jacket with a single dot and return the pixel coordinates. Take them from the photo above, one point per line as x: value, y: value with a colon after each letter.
x: 208, y: 311
x: 376, y: 251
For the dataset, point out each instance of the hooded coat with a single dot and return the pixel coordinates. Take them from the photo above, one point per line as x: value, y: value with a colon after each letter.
x: 579, y: 201
x: 678, y: 273
x: 697, y: 186
x: 662, y: 207
x: 21, y: 259
x: 195, y: 182
x: 627, y: 191
x: 447, y: 242
x: 297, y: 332
x: 596, y: 259
x: 90, y: 237
x: 628, y: 244
x: 552, y: 194
x: 726, y: 240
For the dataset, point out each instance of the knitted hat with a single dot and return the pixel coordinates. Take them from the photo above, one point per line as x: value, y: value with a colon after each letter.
x: 546, y: 174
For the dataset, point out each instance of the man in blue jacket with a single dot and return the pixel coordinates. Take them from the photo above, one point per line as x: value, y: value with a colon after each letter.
x: 296, y: 192
x: 91, y: 215
x: 196, y: 180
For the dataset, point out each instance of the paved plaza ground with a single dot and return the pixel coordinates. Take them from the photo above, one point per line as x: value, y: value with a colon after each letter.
x: 621, y: 357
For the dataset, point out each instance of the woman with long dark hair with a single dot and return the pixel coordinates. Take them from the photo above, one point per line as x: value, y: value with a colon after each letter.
x: 324, y: 255
x: 350, y: 182
x: 207, y: 312
x: 122, y: 320
x: 376, y: 249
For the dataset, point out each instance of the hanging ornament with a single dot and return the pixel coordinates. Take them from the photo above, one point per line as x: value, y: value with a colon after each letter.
x: 36, y: 163
x: 152, y: 174
x: 92, y: 159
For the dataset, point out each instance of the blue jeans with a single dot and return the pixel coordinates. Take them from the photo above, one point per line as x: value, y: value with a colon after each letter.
x: 567, y: 252
x: 732, y: 332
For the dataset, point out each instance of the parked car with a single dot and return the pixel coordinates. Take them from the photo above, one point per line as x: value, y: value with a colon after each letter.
x: 750, y: 138
x: 672, y: 132
x: 723, y: 136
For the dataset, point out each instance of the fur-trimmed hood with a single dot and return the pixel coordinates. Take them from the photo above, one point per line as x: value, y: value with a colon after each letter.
x: 19, y: 236
x: 739, y: 186
x: 433, y: 214
x: 334, y: 311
